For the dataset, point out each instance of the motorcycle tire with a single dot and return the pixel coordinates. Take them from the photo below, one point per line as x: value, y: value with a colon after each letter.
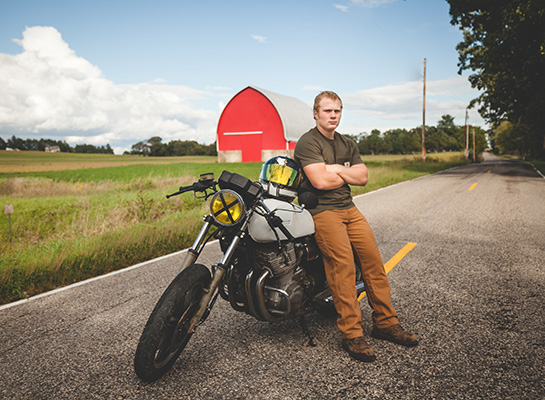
x: 165, y: 334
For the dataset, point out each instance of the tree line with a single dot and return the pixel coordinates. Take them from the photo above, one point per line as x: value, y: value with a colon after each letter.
x: 41, y: 144
x: 155, y: 147
x: 446, y: 136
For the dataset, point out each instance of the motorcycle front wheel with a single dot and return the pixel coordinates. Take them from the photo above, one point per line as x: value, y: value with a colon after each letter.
x: 165, y: 334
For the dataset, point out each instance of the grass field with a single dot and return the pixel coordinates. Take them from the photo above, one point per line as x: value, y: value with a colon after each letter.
x: 39, y: 161
x: 81, y: 215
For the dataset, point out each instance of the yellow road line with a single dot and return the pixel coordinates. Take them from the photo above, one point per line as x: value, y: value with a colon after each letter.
x: 473, y: 186
x: 394, y: 261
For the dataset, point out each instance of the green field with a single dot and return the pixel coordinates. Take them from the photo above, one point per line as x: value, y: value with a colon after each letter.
x: 81, y: 215
x: 39, y: 161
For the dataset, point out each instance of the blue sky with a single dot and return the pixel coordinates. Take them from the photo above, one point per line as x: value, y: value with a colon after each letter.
x: 121, y: 71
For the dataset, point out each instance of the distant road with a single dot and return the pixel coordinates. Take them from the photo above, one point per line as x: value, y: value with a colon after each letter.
x: 473, y: 288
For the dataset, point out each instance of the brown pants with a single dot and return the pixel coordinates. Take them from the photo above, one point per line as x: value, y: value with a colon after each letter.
x: 336, y: 230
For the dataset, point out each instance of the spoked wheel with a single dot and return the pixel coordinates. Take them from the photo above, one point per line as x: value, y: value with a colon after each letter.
x: 166, y: 332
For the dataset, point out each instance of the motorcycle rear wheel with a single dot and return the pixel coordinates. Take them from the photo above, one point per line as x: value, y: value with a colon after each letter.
x: 327, y: 308
x: 165, y: 334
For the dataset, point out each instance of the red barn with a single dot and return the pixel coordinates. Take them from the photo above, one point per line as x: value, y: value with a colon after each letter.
x: 257, y: 125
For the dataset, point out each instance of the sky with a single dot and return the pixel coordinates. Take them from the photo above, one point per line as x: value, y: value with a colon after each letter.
x: 118, y: 72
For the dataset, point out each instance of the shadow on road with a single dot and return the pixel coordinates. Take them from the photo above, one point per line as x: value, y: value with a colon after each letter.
x: 496, y: 166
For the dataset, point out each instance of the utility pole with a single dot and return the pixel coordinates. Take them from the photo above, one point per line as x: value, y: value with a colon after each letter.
x: 424, y: 116
x: 473, y: 145
x: 467, y: 137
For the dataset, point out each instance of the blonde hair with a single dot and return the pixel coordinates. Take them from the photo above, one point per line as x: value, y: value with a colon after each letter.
x: 327, y: 94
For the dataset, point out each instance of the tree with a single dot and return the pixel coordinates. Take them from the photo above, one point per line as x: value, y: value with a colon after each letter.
x: 400, y: 141
x: 141, y: 148
x: 434, y: 139
x: 185, y: 148
x: 374, y: 141
x: 504, y: 44
x: 412, y: 141
x: 505, y: 141
x: 16, y: 143
x: 157, y: 148
x: 452, y: 141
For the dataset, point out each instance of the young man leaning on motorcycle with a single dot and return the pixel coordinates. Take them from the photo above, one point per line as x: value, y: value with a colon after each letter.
x: 330, y: 163
x: 272, y: 268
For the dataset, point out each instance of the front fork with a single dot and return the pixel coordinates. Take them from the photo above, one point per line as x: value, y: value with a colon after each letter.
x: 194, y: 251
x: 218, y: 270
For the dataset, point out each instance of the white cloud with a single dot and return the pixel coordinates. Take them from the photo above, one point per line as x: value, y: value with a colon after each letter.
x: 260, y: 39
x: 372, y: 3
x: 401, y: 105
x: 48, y: 91
x: 341, y: 7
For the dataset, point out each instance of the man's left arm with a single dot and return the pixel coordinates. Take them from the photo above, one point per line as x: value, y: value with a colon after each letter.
x: 356, y: 175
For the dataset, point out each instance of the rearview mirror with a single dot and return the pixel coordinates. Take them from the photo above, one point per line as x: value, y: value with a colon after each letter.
x: 309, y: 200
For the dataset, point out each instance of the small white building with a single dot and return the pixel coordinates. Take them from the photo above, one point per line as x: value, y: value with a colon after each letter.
x: 52, y: 149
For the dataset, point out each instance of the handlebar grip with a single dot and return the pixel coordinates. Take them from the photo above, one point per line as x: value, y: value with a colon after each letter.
x: 183, y: 189
x: 199, y: 186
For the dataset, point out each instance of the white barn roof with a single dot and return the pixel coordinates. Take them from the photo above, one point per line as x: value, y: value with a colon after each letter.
x: 296, y: 116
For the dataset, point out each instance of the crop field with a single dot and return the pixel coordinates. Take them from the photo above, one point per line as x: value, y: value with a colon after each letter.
x: 76, y: 216
x: 39, y: 161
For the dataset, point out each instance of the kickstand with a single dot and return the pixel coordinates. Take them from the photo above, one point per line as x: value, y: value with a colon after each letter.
x: 304, y: 325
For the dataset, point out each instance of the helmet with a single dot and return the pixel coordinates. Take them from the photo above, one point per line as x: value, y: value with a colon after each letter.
x: 280, y: 177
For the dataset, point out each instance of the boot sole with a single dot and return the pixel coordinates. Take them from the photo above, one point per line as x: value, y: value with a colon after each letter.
x: 359, y: 357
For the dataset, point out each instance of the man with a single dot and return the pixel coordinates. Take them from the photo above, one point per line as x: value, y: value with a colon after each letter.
x: 330, y: 163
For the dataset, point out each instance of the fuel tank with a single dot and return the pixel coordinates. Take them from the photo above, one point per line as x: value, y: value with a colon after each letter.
x: 298, y: 221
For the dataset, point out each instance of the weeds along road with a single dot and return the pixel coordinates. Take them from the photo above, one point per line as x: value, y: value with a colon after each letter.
x: 473, y: 288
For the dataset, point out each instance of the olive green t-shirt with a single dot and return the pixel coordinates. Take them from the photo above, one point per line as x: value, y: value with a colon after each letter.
x: 312, y: 148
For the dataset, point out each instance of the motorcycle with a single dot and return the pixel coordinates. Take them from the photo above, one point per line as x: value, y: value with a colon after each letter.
x: 271, y: 267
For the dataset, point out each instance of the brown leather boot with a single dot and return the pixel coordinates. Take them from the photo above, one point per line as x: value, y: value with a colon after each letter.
x: 396, y: 334
x: 359, y: 349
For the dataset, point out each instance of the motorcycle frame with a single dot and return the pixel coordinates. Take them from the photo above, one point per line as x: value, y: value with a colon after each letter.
x: 256, y: 301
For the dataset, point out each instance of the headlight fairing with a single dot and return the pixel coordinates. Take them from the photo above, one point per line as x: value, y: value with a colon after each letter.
x: 227, y: 207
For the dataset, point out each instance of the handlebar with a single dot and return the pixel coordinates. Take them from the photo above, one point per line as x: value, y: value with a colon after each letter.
x: 206, y: 181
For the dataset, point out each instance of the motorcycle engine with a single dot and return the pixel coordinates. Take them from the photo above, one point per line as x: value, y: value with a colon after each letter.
x: 283, y: 291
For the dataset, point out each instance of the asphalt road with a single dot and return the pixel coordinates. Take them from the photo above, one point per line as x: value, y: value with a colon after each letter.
x: 473, y: 289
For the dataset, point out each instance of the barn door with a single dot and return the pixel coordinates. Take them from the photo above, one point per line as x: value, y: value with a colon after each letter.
x: 251, y: 148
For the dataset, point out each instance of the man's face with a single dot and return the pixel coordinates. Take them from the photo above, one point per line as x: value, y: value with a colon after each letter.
x: 328, y: 115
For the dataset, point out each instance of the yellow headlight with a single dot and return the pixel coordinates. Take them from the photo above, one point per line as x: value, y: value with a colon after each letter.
x: 227, y: 207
